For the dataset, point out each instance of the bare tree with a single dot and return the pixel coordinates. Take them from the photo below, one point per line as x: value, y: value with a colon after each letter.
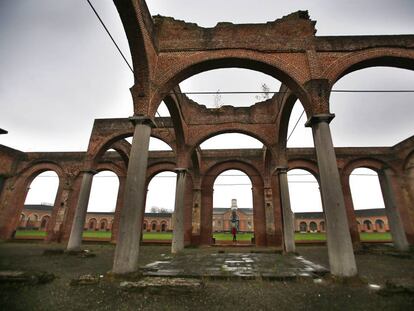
x: 217, y: 100
x: 265, y: 94
x: 156, y: 209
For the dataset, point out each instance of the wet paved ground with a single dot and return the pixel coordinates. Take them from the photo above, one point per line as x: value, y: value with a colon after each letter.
x: 217, y: 294
x: 235, y: 265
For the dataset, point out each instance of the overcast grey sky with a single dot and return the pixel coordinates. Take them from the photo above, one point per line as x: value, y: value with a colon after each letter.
x: 60, y: 71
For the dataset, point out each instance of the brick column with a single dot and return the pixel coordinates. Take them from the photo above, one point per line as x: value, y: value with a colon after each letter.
x: 206, y: 216
x: 350, y: 212
x: 259, y: 217
x: 391, y: 210
x: 55, y: 227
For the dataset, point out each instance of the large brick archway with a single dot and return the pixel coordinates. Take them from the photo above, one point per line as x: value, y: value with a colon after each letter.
x: 207, y: 185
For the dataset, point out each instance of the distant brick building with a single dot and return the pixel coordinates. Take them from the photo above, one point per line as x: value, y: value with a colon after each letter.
x: 370, y: 220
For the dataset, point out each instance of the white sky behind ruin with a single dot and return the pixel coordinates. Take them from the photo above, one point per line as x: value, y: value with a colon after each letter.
x: 60, y: 71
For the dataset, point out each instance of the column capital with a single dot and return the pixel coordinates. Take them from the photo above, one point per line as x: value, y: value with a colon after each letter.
x: 280, y: 170
x: 145, y: 120
x: 179, y: 170
x: 318, y: 118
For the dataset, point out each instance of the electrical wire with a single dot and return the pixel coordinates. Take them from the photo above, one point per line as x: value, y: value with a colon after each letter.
x: 109, y: 34
x: 296, y: 124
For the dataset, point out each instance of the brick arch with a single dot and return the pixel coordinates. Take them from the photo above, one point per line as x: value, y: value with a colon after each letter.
x: 112, y: 167
x: 207, y: 185
x: 103, y: 143
x: 306, y: 165
x: 190, y: 65
x: 160, y: 167
x: 153, y: 222
x: 105, y: 222
x: 176, y: 116
x: 253, y: 131
x: 370, y: 163
x: 10, y: 212
x: 163, y: 226
x: 92, y: 223
x: 188, y: 198
x: 288, y: 102
x: 44, y: 222
x: 133, y: 21
x: 390, y: 57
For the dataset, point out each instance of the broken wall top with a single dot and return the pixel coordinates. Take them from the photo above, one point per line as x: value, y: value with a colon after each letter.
x: 176, y: 35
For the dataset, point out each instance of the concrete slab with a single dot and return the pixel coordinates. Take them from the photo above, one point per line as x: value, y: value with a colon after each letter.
x: 267, y: 266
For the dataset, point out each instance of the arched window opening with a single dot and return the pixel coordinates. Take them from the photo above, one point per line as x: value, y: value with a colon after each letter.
x: 303, y: 227
x: 155, y: 144
x: 163, y: 227
x: 154, y: 226
x: 230, y: 80
x: 379, y: 225
x: 231, y: 141
x: 322, y: 226
x: 304, y: 192
x: 163, y: 110
x: 367, y: 225
x: 103, y: 225
x: 44, y: 222
x: 40, y: 199
x: 103, y: 197
x: 43, y: 189
x: 297, y: 134
x: 92, y: 224
x: 369, y: 127
x: 313, y: 227
x: 232, y: 207
x: 367, y: 199
x: 29, y: 223
x: 161, y: 193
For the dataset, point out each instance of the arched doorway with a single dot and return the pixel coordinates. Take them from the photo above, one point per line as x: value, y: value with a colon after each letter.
x: 306, y: 202
x: 102, y: 203
x: 233, y: 207
x: 368, y: 202
x: 207, y: 204
x: 40, y: 200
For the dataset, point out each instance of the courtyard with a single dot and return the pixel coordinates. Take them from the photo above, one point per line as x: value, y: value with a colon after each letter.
x: 318, y: 292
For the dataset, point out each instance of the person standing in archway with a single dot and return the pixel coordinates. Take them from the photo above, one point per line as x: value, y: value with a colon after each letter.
x: 234, y: 232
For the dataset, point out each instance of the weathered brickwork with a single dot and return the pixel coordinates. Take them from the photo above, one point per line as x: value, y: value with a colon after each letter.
x: 164, y: 53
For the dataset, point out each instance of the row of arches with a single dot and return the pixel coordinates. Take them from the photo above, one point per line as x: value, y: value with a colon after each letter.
x: 209, y: 182
x: 33, y: 221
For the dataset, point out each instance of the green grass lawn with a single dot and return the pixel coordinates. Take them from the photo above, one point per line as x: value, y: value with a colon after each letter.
x: 310, y: 236
x: 157, y: 236
x: 32, y: 233
x: 147, y: 235
x: 379, y: 236
x: 222, y: 236
x: 227, y: 236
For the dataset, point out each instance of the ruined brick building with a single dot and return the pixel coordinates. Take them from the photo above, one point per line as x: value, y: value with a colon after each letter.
x: 165, y: 52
